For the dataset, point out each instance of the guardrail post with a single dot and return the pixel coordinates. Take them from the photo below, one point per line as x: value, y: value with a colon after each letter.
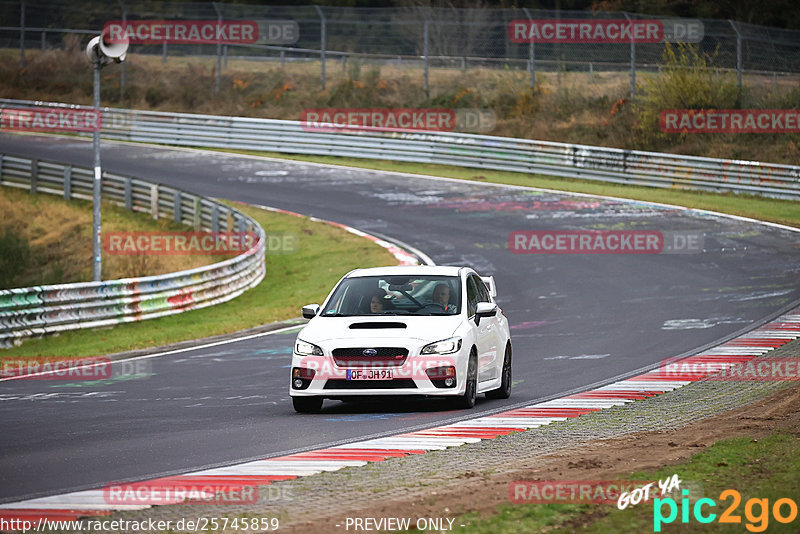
x: 34, y: 175
x: 197, y: 218
x: 215, y: 218
x: 44, y: 41
x: 164, y: 52
x: 154, y: 201
x: 229, y: 222
x: 128, y: 194
x: 322, y: 43
x: 176, y: 207
x: 1, y: 168
x: 67, y: 182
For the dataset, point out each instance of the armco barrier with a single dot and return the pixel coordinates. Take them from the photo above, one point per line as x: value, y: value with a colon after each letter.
x: 466, y: 150
x: 40, y: 310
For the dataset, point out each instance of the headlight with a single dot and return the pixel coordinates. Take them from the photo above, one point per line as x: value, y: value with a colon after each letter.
x: 447, y: 346
x: 307, y: 349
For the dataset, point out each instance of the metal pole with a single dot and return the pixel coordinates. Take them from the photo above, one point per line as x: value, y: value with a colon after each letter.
x: 219, y: 51
x: 96, y: 190
x: 21, y: 34
x: 531, y: 54
x: 738, y: 62
x: 633, y: 61
x: 322, y: 44
x: 425, y: 48
x: 122, y: 72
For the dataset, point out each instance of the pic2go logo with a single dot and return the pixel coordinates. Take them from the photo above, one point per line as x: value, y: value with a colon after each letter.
x: 756, y: 511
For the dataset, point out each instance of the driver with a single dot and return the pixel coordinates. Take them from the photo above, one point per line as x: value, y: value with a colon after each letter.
x: 441, y: 296
x: 378, y: 302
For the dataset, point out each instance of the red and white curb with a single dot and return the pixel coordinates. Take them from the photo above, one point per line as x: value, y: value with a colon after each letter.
x: 739, y: 350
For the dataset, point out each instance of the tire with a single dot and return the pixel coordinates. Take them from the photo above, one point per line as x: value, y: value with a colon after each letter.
x: 467, y: 400
x: 307, y: 404
x: 504, y: 391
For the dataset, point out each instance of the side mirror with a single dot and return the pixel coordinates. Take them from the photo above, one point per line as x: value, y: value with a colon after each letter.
x: 486, y: 309
x: 310, y: 311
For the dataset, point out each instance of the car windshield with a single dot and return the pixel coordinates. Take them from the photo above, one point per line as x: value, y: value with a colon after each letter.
x: 395, y: 295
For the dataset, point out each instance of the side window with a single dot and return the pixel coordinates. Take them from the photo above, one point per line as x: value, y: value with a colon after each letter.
x: 472, y: 297
x: 483, y: 291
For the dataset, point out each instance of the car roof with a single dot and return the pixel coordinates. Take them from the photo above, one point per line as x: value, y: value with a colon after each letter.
x: 417, y: 270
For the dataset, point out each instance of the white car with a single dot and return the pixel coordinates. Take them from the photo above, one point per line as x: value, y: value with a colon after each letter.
x: 417, y: 330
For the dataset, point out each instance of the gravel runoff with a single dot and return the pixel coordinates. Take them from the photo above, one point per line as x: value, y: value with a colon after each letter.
x: 332, y: 493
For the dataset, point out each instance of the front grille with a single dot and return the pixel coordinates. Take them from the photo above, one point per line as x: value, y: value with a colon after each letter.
x: 337, y: 383
x: 384, y: 357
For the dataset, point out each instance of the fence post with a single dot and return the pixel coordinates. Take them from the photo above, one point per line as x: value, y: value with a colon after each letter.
x: 531, y: 54
x: 67, y: 182
x: 21, y: 34
x: 738, y: 62
x: 176, y: 207
x: 633, y: 60
x: 44, y: 41
x: 1, y: 168
x: 128, y: 195
x: 122, y: 65
x: 34, y: 175
x: 154, y: 201
x: 197, y: 214
x: 425, y: 40
x: 164, y: 52
x: 215, y: 218
x: 322, y: 44
x: 219, y: 50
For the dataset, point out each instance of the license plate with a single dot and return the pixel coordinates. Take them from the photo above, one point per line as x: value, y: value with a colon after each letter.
x: 369, y: 374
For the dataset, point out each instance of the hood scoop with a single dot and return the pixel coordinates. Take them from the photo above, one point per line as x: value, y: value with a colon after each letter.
x: 376, y: 325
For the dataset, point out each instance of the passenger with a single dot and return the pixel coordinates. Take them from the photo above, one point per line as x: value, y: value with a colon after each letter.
x: 441, y: 296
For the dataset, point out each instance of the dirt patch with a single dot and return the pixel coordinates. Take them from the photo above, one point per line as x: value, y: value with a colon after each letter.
x: 482, y: 491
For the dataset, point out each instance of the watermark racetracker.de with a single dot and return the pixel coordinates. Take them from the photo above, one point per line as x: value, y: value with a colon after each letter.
x: 333, y: 120
x: 73, y: 368
x: 168, y: 243
x: 176, y: 31
x: 730, y: 121
x: 605, y: 242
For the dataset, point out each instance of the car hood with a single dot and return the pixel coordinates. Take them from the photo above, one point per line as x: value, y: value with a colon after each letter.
x: 425, y: 328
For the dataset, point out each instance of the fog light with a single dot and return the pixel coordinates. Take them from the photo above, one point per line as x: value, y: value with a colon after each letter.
x: 298, y: 383
x: 449, y: 382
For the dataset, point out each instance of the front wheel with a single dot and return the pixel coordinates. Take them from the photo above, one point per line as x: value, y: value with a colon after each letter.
x: 467, y: 400
x: 504, y: 391
x: 307, y: 404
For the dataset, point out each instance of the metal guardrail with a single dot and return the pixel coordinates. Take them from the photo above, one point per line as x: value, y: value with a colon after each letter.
x: 465, y: 150
x: 40, y: 310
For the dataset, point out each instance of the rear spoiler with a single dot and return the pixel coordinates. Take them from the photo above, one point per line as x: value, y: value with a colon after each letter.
x: 489, y: 281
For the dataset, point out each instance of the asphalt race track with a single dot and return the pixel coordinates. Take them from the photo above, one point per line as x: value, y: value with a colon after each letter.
x: 576, y: 319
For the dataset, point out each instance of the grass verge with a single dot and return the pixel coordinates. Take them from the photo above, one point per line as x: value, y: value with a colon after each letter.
x: 289, y: 283
x: 45, y: 239
x: 758, y: 469
x: 766, y: 209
